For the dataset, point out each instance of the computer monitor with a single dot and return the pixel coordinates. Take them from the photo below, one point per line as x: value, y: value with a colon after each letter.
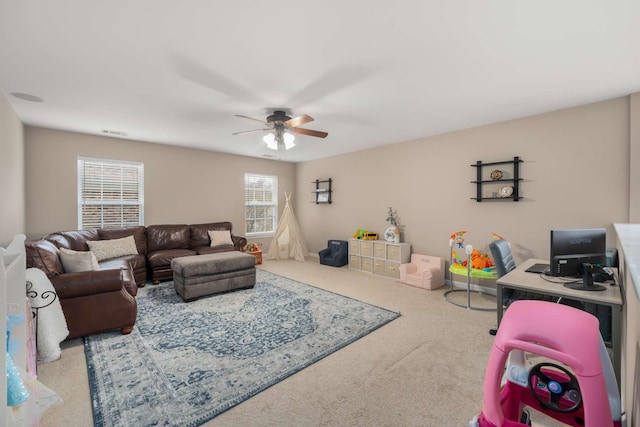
x: 571, y: 249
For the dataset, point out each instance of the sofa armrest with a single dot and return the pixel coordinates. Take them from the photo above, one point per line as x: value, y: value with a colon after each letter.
x: 72, y: 285
x: 437, y: 273
x: 239, y: 242
x: 408, y: 268
x: 324, y: 252
x: 428, y: 273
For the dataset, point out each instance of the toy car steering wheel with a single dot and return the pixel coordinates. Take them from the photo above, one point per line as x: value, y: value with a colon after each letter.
x: 538, y: 381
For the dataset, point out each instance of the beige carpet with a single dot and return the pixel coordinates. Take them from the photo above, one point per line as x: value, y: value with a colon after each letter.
x: 425, y: 368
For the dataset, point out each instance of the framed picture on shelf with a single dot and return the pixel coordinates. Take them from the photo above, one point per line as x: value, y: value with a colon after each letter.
x: 323, y: 197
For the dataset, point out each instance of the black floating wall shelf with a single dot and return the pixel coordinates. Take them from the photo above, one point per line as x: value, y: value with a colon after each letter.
x: 503, y: 188
x: 322, y: 191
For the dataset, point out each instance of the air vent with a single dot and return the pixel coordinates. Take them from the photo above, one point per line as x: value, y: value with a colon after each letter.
x: 113, y: 132
x: 27, y: 97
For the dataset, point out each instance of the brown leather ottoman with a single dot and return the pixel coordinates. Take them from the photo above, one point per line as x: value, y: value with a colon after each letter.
x: 200, y: 275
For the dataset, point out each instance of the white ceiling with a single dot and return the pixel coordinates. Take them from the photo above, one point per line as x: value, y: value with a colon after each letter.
x: 371, y: 73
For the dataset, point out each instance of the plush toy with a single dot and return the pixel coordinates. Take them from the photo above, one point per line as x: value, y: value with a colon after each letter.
x: 480, y: 261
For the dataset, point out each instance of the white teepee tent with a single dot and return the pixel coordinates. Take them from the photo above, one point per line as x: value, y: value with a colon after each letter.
x: 288, y: 241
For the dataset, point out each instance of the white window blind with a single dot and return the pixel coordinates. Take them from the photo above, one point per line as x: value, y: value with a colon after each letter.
x: 110, y: 193
x: 261, y: 203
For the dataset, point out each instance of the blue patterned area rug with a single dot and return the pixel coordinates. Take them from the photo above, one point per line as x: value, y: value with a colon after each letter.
x: 185, y: 363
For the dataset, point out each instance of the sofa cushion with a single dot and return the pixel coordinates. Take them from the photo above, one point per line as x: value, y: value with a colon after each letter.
x: 220, y: 238
x: 214, y: 250
x: 77, y: 261
x: 138, y: 261
x: 163, y: 237
x: 159, y: 259
x: 106, y: 249
x: 200, y: 232
x: 75, y: 239
x: 128, y: 276
x: 44, y: 255
x: 138, y: 233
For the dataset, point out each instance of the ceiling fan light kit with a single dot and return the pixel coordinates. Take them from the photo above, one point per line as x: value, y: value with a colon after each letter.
x: 273, y: 140
x: 282, y: 129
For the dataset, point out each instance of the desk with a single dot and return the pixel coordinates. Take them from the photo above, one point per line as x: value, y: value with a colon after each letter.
x: 519, y: 279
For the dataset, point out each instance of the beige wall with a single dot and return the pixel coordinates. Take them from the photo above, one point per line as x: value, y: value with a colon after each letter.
x: 181, y: 185
x: 634, y: 158
x: 12, y: 209
x: 575, y: 170
x: 629, y: 256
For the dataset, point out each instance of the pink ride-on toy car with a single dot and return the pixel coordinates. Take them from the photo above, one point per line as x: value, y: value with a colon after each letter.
x: 579, y: 390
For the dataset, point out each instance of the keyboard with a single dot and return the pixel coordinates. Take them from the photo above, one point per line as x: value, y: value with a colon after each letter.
x: 538, y: 268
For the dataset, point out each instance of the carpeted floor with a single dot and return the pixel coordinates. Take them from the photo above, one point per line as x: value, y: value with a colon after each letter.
x: 185, y: 363
x: 425, y: 368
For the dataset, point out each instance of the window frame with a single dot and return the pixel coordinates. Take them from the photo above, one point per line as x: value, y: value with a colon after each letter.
x: 274, y: 204
x: 124, y: 184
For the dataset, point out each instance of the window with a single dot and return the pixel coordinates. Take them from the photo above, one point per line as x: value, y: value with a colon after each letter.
x: 110, y: 193
x: 261, y: 204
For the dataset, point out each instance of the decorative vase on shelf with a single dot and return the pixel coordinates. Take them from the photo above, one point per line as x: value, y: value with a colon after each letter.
x: 392, y: 218
x: 496, y: 175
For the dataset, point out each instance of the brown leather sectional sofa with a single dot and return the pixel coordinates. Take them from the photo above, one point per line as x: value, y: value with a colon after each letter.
x: 96, y: 301
x: 166, y: 242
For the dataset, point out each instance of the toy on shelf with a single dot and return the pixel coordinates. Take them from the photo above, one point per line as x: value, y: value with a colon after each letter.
x: 365, y: 235
x: 359, y: 234
x: 556, y: 364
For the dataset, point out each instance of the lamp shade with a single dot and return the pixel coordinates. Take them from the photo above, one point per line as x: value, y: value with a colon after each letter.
x: 288, y: 140
x: 270, y: 140
x: 273, y: 140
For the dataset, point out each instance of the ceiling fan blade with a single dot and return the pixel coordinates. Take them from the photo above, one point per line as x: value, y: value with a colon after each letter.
x: 251, y: 118
x: 250, y: 131
x: 300, y: 120
x: 316, y: 133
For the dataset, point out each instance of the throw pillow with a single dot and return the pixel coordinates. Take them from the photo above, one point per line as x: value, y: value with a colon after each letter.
x: 106, y: 249
x: 77, y: 261
x: 220, y: 238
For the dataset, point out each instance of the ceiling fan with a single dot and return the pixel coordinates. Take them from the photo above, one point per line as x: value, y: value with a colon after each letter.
x: 282, y: 128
